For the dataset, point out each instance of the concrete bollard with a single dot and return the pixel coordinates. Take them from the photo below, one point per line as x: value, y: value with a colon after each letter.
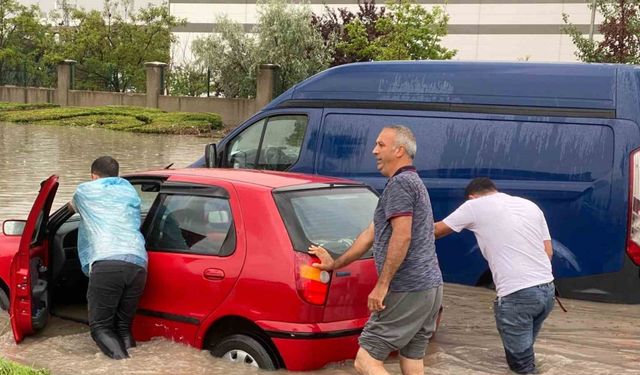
x: 65, y: 81
x: 155, y: 77
x: 266, y: 84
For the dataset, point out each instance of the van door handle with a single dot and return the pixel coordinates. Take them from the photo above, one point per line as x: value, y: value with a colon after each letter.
x: 213, y: 274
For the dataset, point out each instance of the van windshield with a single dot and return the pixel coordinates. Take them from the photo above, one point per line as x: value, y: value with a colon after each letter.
x: 328, y: 217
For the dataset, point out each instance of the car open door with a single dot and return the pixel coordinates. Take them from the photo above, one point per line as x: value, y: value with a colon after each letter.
x: 29, y: 307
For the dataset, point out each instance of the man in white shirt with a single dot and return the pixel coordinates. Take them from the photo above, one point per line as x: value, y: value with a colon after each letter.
x: 513, y: 237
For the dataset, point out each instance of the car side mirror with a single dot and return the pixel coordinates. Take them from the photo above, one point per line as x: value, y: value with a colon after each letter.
x: 211, y: 155
x: 13, y: 227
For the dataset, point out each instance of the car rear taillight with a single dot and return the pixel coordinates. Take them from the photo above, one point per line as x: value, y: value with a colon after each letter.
x: 312, y: 283
x: 633, y: 229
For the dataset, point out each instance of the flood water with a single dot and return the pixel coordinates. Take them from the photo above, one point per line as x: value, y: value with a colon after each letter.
x: 31, y: 153
x: 592, y: 338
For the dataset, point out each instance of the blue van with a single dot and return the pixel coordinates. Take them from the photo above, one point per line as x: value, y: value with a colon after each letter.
x: 565, y: 136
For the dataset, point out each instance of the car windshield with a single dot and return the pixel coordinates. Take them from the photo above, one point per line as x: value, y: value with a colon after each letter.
x: 329, y: 217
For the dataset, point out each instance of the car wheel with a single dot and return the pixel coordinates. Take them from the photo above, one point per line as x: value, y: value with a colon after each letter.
x: 243, y: 349
x: 4, y: 300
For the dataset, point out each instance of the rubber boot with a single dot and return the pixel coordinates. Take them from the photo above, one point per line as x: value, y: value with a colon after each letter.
x: 110, y: 344
x: 128, y: 340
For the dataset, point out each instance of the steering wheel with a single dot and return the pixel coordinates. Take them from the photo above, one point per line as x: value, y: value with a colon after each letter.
x: 243, y: 159
x: 274, y: 157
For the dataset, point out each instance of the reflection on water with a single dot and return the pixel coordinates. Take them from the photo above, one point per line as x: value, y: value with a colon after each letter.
x: 591, y: 338
x: 31, y: 153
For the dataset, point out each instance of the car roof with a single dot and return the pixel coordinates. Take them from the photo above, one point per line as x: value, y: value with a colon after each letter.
x: 268, y: 179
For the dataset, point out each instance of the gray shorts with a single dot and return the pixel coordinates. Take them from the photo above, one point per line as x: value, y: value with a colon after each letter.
x: 406, y: 324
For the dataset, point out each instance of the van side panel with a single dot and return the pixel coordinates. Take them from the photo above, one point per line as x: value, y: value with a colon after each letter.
x: 566, y: 165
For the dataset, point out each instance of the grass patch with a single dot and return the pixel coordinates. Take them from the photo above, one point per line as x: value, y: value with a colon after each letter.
x: 123, y: 118
x: 12, y: 368
x: 21, y: 107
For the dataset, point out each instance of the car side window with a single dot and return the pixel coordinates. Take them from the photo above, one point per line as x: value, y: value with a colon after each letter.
x: 192, y: 224
x: 273, y: 143
x: 148, y: 192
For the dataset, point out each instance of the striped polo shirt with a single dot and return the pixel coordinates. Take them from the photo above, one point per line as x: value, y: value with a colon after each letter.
x: 406, y: 195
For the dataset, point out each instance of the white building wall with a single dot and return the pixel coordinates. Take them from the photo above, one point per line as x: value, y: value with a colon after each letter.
x: 506, y: 30
x: 48, y: 5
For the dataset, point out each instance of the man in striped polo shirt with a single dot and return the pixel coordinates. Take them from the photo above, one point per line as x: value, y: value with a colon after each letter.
x: 405, y: 301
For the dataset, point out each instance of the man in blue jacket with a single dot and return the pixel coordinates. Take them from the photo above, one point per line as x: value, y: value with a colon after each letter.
x: 112, y: 254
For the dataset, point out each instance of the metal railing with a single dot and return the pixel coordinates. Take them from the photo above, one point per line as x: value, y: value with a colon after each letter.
x: 25, y: 77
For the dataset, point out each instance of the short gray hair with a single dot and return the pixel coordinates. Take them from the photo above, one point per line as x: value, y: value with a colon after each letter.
x: 405, y: 138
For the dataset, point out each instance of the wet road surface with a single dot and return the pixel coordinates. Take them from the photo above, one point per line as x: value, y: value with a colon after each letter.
x: 592, y: 338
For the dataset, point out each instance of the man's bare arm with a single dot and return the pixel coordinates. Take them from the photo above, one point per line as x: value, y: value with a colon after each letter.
x: 441, y: 230
x: 362, y: 244
x: 548, y: 248
x: 398, y: 247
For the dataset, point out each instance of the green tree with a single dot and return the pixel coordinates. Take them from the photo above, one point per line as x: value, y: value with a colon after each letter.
x: 187, y: 80
x: 408, y: 31
x: 411, y: 32
x: 112, y: 46
x: 358, y: 43
x: 25, y: 41
x: 231, y: 54
x: 332, y: 26
x: 620, y: 31
x: 284, y: 35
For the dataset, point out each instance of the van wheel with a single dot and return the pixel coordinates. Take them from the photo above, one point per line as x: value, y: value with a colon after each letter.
x: 4, y: 300
x: 243, y: 349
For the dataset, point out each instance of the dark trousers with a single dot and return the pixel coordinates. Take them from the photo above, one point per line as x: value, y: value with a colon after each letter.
x: 115, y: 287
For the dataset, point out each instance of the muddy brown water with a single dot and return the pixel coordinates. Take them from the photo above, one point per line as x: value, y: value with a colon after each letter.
x: 31, y: 153
x: 592, y: 338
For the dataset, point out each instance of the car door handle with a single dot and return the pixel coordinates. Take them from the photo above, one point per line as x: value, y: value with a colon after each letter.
x: 213, y: 274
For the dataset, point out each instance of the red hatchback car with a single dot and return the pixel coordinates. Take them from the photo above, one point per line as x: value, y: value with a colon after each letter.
x: 228, y: 268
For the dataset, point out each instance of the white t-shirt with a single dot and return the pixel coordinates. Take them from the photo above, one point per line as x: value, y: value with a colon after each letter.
x: 510, y: 233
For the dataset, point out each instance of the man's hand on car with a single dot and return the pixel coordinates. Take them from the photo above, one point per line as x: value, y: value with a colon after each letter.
x: 326, y: 261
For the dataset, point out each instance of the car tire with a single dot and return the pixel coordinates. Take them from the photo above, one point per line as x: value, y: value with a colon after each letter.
x: 243, y: 349
x: 4, y: 300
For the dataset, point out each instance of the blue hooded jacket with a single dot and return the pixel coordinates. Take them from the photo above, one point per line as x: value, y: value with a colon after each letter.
x: 109, y: 228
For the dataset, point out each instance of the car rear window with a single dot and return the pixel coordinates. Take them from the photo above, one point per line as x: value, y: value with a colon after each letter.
x: 329, y: 217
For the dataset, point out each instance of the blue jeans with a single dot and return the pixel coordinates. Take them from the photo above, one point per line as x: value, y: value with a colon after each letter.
x: 519, y: 317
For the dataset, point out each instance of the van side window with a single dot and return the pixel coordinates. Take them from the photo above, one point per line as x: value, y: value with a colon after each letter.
x: 273, y: 143
x: 194, y: 225
x: 453, y: 148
